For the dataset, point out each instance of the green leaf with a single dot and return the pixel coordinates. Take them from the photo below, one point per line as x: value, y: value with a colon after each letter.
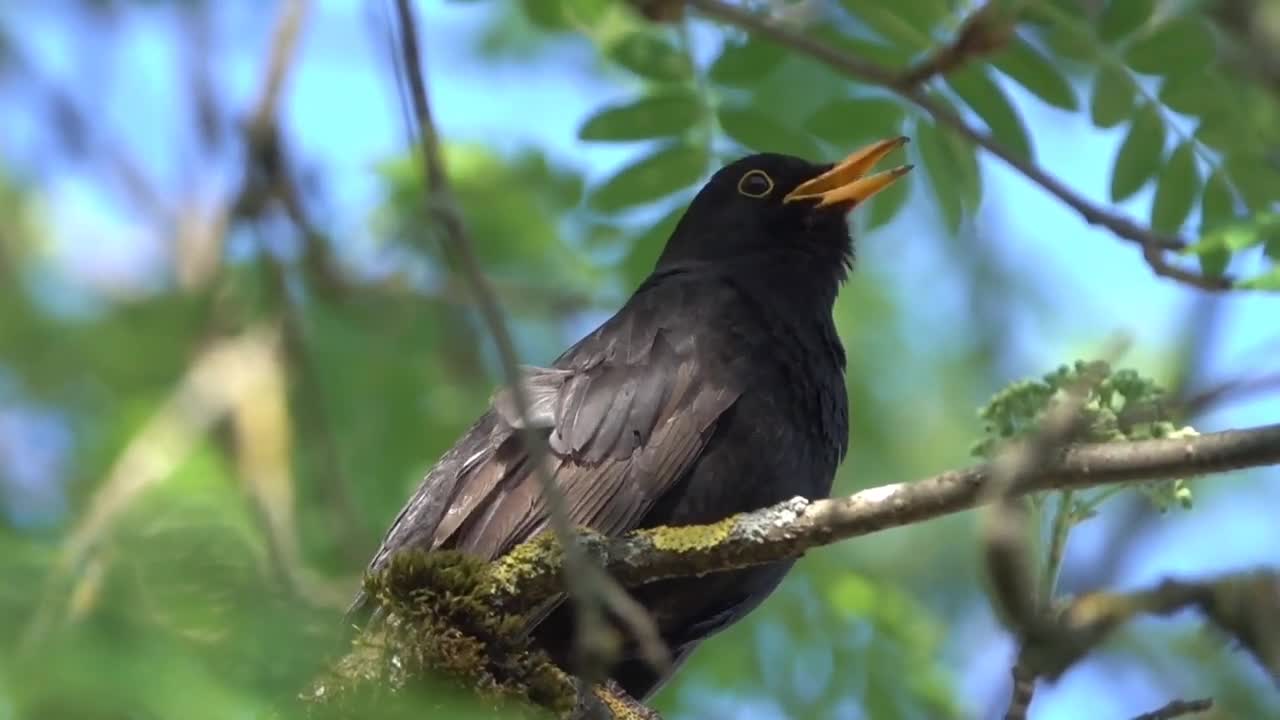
x: 1139, y: 156
x: 1120, y: 18
x: 671, y: 168
x: 1213, y: 259
x: 1033, y: 71
x: 1198, y: 94
x: 548, y: 15
x: 650, y: 56
x: 892, y: 25
x: 1176, y: 194
x: 1073, y: 43
x: 1219, y: 129
x: 1257, y: 181
x: 1181, y: 46
x: 922, y: 15
x: 943, y: 170
x: 849, y: 122
x: 1113, y: 96
x: 976, y: 87
x: 760, y: 132
x: 1217, y: 204
x: 876, y: 51
x: 647, y: 246
x: 658, y: 115
x: 1272, y: 248
x: 1269, y: 280
x: 746, y: 64
x: 885, y: 205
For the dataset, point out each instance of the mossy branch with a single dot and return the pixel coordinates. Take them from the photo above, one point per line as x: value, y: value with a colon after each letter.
x: 450, y: 614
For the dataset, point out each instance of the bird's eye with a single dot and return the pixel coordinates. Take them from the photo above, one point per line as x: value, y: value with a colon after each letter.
x: 755, y: 183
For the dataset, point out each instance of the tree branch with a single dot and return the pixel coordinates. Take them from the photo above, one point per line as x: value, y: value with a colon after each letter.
x: 591, y: 588
x: 1178, y: 708
x: 424, y: 590
x: 1153, y: 244
x: 790, y: 528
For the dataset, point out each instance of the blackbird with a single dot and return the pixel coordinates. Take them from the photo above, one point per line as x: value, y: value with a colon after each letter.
x: 718, y: 388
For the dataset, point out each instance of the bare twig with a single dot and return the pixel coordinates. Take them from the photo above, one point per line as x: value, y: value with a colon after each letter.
x: 1178, y: 708
x: 1153, y: 244
x: 589, y: 586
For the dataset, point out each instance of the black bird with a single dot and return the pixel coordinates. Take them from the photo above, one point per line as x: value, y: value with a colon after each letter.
x: 718, y: 388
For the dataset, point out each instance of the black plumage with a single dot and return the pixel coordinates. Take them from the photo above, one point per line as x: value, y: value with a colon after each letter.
x: 717, y: 388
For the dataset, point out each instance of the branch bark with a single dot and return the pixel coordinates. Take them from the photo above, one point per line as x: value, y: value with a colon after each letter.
x: 518, y: 583
x: 788, y: 529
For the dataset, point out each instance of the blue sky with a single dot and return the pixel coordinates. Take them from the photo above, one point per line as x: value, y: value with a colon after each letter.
x: 344, y: 113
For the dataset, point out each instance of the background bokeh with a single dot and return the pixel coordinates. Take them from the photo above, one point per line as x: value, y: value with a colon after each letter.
x: 226, y: 357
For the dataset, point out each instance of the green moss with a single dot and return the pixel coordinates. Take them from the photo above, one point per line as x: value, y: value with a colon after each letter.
x: 441, y: 621
x: 690, y: 538
x: 537, y: 559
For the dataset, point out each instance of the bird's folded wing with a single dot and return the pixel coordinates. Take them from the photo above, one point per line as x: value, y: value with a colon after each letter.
x: 625, y: 416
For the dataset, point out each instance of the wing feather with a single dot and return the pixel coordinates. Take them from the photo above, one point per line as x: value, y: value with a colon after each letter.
x: 626, y: 411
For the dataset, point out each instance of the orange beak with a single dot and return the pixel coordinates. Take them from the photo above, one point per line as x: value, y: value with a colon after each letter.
x: 848, y: 184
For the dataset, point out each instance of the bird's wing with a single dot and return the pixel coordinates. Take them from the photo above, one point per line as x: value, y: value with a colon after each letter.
x: 626, y: 413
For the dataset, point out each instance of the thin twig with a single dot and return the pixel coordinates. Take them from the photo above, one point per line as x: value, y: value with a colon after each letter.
x: 1153, y: 244
x: 590, y: 588
x: 1178, y: 708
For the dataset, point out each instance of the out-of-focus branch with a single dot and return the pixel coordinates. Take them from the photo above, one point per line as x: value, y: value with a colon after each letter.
x: 1153, y: 244
x: 1178, y: 708
x: 985, y: 31
x: 591, y: 589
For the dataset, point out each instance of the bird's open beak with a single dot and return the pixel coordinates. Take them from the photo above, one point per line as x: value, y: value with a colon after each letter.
x: 848, y: 184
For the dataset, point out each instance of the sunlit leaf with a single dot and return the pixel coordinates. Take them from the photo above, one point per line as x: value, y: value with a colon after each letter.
x: 758, y: 131
x: 747, y: 63
x: 1213, y: 259
x: 1177, y: 191
x: 671, y: 168
x: 976, y: 87
x: 1179, y: 47
x: 1113, y: 96
x: 849, y: 122
x: 658, y: 115
x: 1139, y: 155
x: 650, y: 56
x: 1120, y: 18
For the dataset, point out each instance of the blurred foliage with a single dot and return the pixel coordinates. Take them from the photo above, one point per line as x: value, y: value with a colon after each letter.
x: 210, y: 582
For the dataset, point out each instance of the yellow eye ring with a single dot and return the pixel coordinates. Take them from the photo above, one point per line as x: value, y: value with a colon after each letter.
x: 751, y: 186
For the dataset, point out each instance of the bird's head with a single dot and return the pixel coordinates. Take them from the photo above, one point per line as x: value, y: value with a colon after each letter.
x: 770, y: 207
